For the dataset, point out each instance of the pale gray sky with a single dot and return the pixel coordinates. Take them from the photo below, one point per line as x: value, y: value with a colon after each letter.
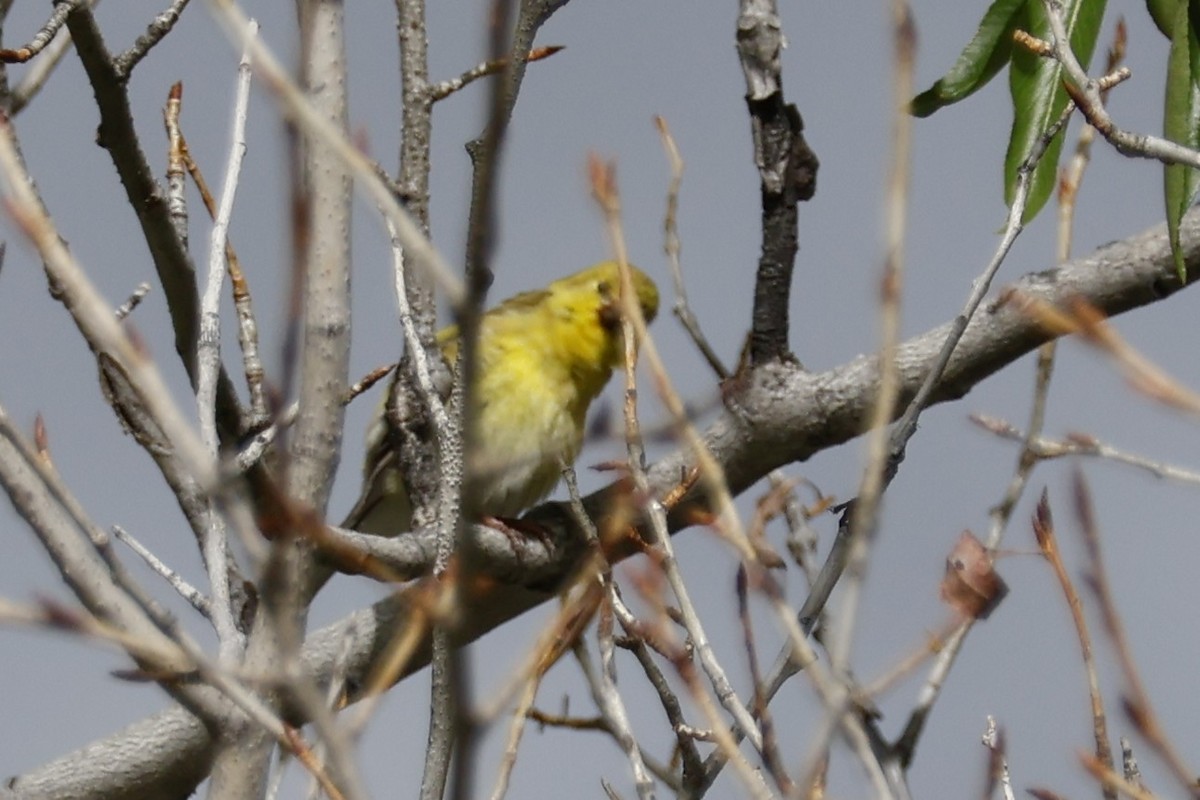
x: 625, y: 62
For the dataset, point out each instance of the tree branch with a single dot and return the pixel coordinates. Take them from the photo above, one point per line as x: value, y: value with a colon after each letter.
x: 174, y: 265
x: 781, y: 414
x: 787, y: 169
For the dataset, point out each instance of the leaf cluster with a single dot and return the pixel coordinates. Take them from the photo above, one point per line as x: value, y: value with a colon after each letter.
x: 1041, y: 89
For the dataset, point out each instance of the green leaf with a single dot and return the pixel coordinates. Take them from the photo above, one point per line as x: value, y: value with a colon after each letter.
x: 1181, y: 124
x: 1163, y: 14
x: 1039, y: 97
x: 988, y: 51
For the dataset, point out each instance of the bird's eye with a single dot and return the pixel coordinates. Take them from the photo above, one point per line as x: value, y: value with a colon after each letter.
x: 603, y: 288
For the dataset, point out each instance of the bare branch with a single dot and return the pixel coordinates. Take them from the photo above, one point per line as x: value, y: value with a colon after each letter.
x: 135, y: 299
x: 782, y: 415
x: 44, y: 36
x: 158, y: 28
x: 993, y: 740
x: 40, y: 71
x: 602, y: 683
x: 878, y: 472
x: 787, y: 169
x: 440, y: 91
x: 1138, y: 706
x: 188, y: 592
x: 1088, y: 94
x: 1082, y: 444
x: 297, y: 107
x: 215, y: 542
x: 180, y: 158
x: 1047, y: 539
x: 635, y: 335
x: 175, y: 270
x: 693, y: 767
x: 671, y: 246
x: 93, y: 316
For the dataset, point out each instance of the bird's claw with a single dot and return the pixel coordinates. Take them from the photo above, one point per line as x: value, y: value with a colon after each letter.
x: 518, y: 531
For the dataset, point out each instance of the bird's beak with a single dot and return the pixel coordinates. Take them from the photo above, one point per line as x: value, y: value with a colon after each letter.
x: 610, y: 314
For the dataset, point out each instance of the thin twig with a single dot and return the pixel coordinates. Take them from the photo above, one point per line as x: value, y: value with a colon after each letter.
x: 930, y: 691
x: 578, y: 606
x: 53, y: 615
x: 993, y: 740
x: 364, y: 383
x: 603, y: 682
x: 693, y: 767
x: 397, y: 652
x: 876, y: 477
x: 770, y: 749
x: 1089, y: 323
x: 831, y: 693
x: 930, y: 645
x: 1001, y: 513
x: 682, y: 308
x: 335, y: 745
x: 1129, y: 764
x: 671, y: 246
x: 45, y: 35
x: 39, y: 71
x: 635, y: 337
x: 94, y: 317
x: 1084, y: 445
x: 1087, y: 94
x: 215, y: 545
x: 440, y: 91
x: 416, y: 245
x: 243, y: 305
x: 1043, y: 528
x: 159, y: 644
x: 172, y: 261
x: 135, y: 300
x: 252, y: 452
x: 515, y: 729
x: 728, y: 522
x: 417, y: 355
x: 604, y: 188
x: 158, y: 28
x: 194, y: 596
x: 1072, y: 176
x: 904, y: 429
x: 1138, y: 705
x: 176, y: 180
x: 1110, y: 780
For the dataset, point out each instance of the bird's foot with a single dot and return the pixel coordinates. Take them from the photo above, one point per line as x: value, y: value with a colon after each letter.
x: 519, y: 531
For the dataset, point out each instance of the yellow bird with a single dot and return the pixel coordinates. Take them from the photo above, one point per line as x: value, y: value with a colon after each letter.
x: 544, y: 356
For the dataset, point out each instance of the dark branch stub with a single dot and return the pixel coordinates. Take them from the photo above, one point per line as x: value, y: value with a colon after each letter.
x: 787, y: 168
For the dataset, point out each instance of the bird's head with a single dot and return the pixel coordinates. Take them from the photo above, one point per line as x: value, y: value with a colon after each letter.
x: 597, y: 289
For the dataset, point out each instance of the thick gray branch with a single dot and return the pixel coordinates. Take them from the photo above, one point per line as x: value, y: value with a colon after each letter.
x: 325, y: 350
x: 242, y: 763
x: 782, y: 414
x: 159, y: 758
